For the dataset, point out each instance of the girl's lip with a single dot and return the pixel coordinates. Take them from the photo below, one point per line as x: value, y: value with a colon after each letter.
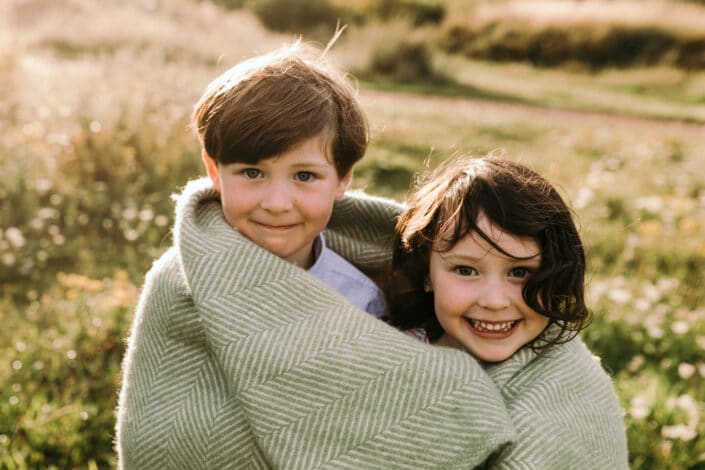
x: 492, y: 329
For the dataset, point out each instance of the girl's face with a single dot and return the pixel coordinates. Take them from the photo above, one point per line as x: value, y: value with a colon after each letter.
x: 478, y: 293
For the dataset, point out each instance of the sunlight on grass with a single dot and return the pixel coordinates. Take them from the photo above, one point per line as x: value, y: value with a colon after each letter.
x: 94, y: 138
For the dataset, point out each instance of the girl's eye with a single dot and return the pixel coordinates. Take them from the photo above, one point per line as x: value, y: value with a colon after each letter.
x: 520, y: 272
x: 252, y: 173
x: 465, y: 270
x: 304, y: 176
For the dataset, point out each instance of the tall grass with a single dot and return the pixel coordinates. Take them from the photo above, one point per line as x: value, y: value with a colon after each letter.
x: 93, y: 141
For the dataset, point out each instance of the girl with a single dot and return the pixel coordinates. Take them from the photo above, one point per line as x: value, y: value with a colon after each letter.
x: 489, y: 261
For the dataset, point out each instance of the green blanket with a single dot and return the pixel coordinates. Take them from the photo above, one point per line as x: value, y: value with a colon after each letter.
x: 238, y: 359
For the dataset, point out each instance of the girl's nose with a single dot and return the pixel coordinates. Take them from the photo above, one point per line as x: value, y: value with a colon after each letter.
x: 494, y: 295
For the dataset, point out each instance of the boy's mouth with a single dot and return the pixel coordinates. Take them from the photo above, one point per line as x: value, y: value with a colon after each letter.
x: 275, y: 227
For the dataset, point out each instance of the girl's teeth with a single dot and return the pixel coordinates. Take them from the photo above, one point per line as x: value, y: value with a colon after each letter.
x: 498, y: 327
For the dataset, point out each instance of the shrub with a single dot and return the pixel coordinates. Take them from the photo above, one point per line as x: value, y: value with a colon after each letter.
x: 405, y: 61
x: 230, y: 4
x: 594, y: 47
x: 297, y: 16
x: 419, y: 12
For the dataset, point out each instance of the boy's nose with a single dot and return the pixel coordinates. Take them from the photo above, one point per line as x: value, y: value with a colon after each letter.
x: 277, y: 198
x: 494, y: 295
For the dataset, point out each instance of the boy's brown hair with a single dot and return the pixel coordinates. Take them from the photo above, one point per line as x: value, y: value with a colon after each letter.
x: 270, y: 103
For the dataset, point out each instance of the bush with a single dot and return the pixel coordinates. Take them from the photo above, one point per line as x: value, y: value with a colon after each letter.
x: 230, y: 4
x: 419, y: 12
x: 593, y: 47
x: 405, y: 61
x: 297, y: 16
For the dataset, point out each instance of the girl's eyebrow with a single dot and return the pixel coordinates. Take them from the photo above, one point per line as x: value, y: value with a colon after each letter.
x: 461, y: 257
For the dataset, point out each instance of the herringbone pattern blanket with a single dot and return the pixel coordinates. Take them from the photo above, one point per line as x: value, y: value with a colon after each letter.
x: 238, y: 359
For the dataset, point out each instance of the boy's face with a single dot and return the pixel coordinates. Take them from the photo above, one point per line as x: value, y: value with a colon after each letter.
x: 284, y: 202
x: 478, y: 293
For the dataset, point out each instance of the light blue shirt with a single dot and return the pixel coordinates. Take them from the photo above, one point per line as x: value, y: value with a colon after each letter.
x: 342, y: 276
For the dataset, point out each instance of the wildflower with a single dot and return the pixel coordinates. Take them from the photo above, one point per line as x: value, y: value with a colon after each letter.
x: 161, y: 220
x: 46, y: 213
x: 653, y: 204
x: 685, y: 370
x: 680, y: 327
x: 42, y: 185
x: 639, y: 407
x: 146, y: 215
x: 642, y: 304
x: 584, y: 198
x: 95, y: 126
x: 131, y: 235
x: 636, y: 362
x: 679, y: 431
x: 15, y: 237
x: 688, y: 430
x: 619, y: 295
x: 130, y: 213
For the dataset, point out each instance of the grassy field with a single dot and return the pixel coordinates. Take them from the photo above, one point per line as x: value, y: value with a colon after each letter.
x: 94, y: 108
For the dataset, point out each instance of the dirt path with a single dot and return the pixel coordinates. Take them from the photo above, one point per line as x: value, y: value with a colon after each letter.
x: 525, y: 111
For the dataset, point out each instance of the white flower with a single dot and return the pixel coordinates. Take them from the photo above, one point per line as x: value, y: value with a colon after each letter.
x: 639, y: 407
x: 680, y: 327
x: 15, y: 237
x: 619, y: 295
x: 685, y: 370
x: 679, y: 431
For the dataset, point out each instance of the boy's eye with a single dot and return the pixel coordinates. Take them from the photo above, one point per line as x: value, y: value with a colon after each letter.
x: 252, y: 173
x: 304, y: 176
x: 519, y: 272
x: 465, y: 270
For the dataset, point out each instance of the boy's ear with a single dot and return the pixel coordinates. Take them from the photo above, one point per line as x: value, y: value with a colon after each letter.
x: 343, y: 184
x: 211, y: 169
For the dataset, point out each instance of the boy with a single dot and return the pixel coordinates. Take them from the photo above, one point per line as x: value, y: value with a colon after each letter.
x: 280, y: 135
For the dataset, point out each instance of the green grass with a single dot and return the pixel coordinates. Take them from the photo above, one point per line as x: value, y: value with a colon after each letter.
x: 92, y: 145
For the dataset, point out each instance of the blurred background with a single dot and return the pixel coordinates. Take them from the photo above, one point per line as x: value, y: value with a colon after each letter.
x: 604, y: 97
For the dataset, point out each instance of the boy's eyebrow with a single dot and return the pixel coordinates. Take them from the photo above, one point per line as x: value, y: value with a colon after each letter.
x: 310, y: 164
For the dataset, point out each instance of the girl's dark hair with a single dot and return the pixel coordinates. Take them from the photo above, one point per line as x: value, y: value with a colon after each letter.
x: 445, y: 207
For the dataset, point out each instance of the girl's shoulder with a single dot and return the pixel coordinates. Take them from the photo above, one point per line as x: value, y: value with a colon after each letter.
x: 418, y: 333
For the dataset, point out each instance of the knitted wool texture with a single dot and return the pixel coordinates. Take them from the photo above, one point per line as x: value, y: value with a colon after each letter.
x: 239, y: 359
